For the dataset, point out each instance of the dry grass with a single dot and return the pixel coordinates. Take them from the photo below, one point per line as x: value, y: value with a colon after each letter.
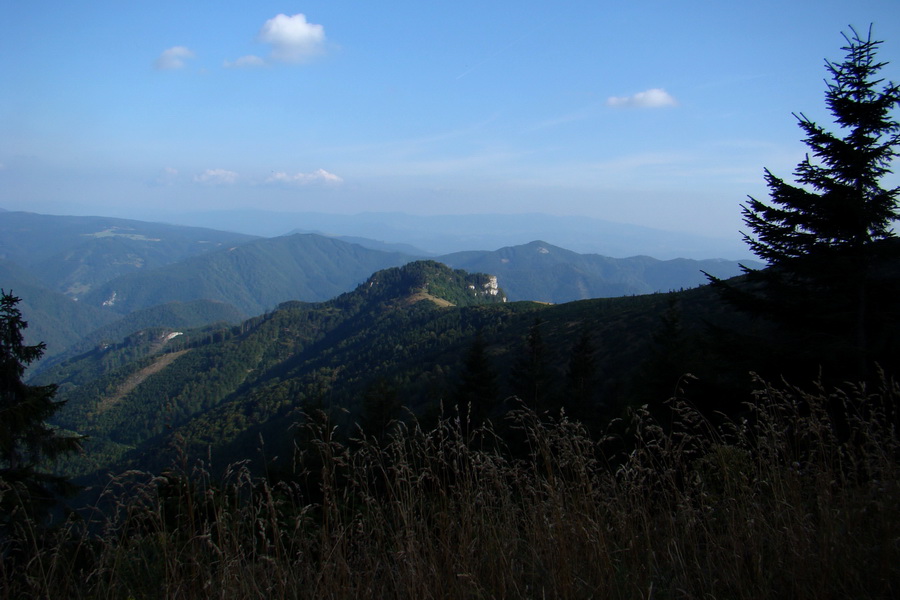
x: 799, y: 500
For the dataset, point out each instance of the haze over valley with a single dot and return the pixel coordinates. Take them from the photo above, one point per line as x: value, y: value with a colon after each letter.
x: 78, y: 274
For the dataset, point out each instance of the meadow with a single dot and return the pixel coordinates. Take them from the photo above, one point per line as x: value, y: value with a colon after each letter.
x: 796, y: 497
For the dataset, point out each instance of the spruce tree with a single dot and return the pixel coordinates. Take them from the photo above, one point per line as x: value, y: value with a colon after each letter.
x: 827, y: 238
x: 530, y: 375
x: 26, y: 440
x: 477, y: 392
x: 380, y: 408
x: 581, y: 376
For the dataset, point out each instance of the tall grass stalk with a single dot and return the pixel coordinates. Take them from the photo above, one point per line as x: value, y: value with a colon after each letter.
x: 798, y: 498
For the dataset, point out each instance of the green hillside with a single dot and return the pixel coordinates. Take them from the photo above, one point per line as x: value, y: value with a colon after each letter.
x: 52, y: 317
x: 72, y: 255
x: 307, y: 397
x: 169, y: 317
x: 69, y: 328
x: 117, y: 267
x: 126, y: 394
x: 318, y: 414
x: 254, y: 277
x: 542, y: 272
x: 259, y: 275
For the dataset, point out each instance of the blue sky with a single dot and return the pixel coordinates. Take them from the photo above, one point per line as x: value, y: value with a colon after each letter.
x: 655, y: 113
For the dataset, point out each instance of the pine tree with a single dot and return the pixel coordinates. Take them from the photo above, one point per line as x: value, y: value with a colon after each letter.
x: 581, y: 377
x: 669, y: 357
x: 530, y: 372
x: 843, y: 208
x: 828, y: 239
x: 477, y: 391
x: 380, y: 408
x: 27, y: 442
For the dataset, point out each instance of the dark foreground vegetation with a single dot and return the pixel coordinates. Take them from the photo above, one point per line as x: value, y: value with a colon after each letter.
x: 799, y: 500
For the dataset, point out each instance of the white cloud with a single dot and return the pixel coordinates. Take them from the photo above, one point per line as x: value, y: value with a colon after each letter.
x: 173, y: 58
x: 245, y: 62
x: 317, y: 176
x: 293, y: 39
x: 167, y: 176
x: 216, y: 177
x: 652, y: 98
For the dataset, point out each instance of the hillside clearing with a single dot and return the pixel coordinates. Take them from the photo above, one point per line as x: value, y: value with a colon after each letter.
x: 137, y: 378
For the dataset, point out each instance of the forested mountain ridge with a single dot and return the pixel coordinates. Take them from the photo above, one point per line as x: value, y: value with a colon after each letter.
x: 115, y: 267
x: 50, y: 260
x: 394, y: 347
x: 450, y: 233
x: 542, y: 272
x: 52, y: 317
x: 254, y: 277
x: 75, y: 255
x: 258, y: 275
x: 72, y: 255
x: 221, y: 366
x: 166, y: 317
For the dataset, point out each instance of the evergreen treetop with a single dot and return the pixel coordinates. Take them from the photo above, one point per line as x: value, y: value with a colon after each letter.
x: 830, y: 285
x: 839, y: 204
x: 26, y: 439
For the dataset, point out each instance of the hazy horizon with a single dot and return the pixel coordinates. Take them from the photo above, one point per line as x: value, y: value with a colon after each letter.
x: 435, y: 235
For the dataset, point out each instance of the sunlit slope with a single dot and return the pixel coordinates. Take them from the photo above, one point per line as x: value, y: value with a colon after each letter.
x: 72, y: 255
x: 122, y: 397
x: 542, y: 272
x: 254, y: 277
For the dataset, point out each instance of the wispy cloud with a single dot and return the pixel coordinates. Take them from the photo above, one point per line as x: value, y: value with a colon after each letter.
x: 490, y: 57
x: 578, y: 115
x: 216, y: 177
x: 317, y: 176
x: 245, y: 62
x: 642, y: 161
x: 167, y: 176
x: 173, y: 58
x: 293, y: 39
x: 652, y: 98
x: 718, y: 164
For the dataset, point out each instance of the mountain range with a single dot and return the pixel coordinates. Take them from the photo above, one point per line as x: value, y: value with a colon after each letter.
x: 218, y: 391
x: 84, y: 280
x: 444, y: 234
x: 221, y: 347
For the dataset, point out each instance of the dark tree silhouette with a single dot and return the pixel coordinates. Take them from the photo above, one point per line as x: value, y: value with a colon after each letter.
x: 26, y: 440
x: 530, y: 374
x: 380, y: 408
x: 828, y: 240
x: 581, y: 377
x: 477, y: 391
x: 669, y: 357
